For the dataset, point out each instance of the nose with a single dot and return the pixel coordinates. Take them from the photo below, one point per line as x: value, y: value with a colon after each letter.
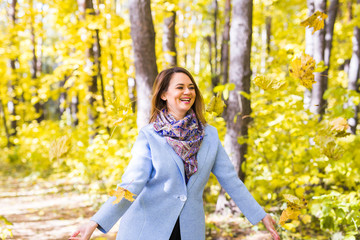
x: 187, y: 91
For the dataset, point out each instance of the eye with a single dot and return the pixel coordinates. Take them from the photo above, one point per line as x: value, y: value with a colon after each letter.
x: 179, y: 88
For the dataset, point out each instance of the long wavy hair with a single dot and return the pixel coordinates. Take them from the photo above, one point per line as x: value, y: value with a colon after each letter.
x: 161, y: 85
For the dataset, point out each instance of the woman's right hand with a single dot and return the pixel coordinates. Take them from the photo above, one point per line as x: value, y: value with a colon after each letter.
x: 85, y: 231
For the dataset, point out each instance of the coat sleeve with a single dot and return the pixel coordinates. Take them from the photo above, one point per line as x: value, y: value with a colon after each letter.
x: 134, y: 179
x: 227, y: 176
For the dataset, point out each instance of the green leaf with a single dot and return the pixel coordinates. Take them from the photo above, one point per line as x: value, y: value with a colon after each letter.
x: 327, y: 222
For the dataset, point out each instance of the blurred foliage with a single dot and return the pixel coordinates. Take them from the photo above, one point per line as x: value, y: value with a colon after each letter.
x: 5, y: 231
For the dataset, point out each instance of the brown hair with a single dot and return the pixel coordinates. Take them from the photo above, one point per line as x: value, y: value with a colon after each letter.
x: 161, y: 85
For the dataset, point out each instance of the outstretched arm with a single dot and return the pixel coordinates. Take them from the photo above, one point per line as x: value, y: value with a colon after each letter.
x: 85, y: 231
x: 134, y: 179
x: 269, y: 222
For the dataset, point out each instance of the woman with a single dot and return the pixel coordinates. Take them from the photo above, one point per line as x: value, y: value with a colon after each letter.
x: 172, y: 160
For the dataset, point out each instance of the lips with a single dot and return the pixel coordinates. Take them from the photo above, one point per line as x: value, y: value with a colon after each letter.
x: 185, y: 99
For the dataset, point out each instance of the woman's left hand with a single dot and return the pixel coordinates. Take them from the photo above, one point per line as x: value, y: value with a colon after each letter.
x: 269, y: 222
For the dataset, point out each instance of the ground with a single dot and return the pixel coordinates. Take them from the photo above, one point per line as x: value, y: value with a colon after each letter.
x: 42, y: 210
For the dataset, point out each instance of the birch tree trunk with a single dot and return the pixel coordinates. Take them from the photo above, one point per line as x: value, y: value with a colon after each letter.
x: 143, y: 38
x: 309, y: 49
x: 169, y: 40
x: 354, y: 76
x: 318, y: 103
x: 238, y: 109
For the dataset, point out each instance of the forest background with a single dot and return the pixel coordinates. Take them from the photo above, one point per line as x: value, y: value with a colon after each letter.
x: 76, y: 81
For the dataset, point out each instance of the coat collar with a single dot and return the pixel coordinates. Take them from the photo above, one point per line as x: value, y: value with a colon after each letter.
x: 201, y: 158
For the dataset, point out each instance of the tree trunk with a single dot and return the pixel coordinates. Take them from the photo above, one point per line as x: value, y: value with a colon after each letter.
x: 2, y: 110
x: 309, y: 49
x: 215, y: 75
x: 238, y: 109
x: 62, y: 97
x: 354, y: 75
x: 39, y: 106
x: 75, y: 110
x: 225, y: 44
x: 212, y: 41
x: 86, y: 7
x: 12, y: 103
x: 169, y: 47
x: 268, y: 33
x: 143, y: 37
x: 329, y: 32
x: 318, y: 103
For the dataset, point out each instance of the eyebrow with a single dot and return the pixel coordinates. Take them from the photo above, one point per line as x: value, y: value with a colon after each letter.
x: 183, y: 84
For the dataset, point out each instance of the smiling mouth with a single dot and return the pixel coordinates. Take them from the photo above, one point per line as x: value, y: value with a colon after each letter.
x: 185, y: 100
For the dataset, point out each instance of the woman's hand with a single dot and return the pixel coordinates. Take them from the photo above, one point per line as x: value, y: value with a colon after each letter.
x: 85, y: 231
x: 269, y: 224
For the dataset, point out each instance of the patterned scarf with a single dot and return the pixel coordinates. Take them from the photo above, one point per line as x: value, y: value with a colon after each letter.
x: 184, y: 136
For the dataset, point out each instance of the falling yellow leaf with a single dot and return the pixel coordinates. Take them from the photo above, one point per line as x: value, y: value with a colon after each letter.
x: 339, y: 126
x: 294, y: 205
x: 59, y: 147
x: 320, y: 67
x: 267, y: 83
x: 119, y: 121
x: 302, y: 68
x: 315, y: 21
x: 216, y: 105
x: 121, y: 193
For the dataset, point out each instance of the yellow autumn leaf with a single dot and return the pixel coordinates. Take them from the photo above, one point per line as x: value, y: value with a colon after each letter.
x: 216, y: 105
x: 119, y: 121
x: 302, y: 68
x: 320, y: 67
x: 316, y: 21
x: 332, y: 150
x: 289, y: 214
x: 339, y: 126
x: 121, y: 193
x: 292, y: 211
x: 267, y: 83
x: 59, y: 147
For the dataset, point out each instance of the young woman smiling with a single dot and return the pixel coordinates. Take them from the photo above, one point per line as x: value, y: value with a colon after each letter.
x: 172, y: 159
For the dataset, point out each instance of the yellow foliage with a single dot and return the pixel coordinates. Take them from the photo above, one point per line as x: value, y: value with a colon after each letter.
x: 315, y: 21
x: 294, y: 205
x: 59, y: 147
x: 121, y: 193
x: 267, y: 83
x: 302, y: 68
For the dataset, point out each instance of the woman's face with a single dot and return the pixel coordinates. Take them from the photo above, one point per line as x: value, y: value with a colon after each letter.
x: 180, y: 95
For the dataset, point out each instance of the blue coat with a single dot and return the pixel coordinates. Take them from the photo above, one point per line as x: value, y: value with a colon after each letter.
x: 156, y: 175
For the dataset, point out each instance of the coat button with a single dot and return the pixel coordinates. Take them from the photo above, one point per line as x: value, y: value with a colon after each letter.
x: 183, y: 198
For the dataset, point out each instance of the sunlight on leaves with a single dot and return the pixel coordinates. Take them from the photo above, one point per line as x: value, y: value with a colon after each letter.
x: 302, y: 68
x: 121, y: 193
x: 315, y: 21
x: 294, y: 205
x: 59, y: 147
